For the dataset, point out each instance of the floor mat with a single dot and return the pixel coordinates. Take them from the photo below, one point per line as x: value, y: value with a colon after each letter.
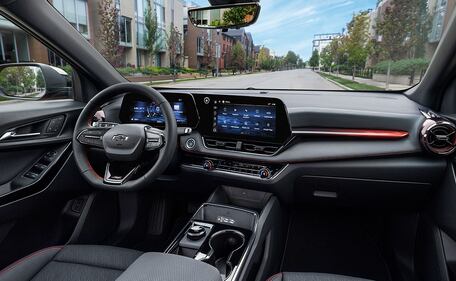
x: 335, y: 242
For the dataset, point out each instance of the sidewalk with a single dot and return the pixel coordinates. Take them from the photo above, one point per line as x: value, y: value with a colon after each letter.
x: 393, y: 87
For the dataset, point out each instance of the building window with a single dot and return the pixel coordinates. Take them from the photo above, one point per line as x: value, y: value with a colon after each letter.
x: 55, y: 60
x: 158, y: 60
x: 160, y: 12
x: 200, y: 46
x: 75, y: 11
x: 13, y: 47
x: 140, y: 35
x: 138, y: 58
x: 125, y: 31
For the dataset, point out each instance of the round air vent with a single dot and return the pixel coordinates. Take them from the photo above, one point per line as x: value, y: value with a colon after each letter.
x: 439, y: 136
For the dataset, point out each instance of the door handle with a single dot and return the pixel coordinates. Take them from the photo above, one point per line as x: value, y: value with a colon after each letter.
x: 13, y: 134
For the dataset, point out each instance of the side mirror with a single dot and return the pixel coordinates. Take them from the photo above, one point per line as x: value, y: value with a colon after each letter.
x: 34, y: 81
x: 225, y: 16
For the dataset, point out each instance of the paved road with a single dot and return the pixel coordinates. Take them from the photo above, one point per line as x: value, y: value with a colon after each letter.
x: 292, y: 79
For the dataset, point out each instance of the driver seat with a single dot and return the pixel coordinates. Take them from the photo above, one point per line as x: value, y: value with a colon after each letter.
x: 106, y: 263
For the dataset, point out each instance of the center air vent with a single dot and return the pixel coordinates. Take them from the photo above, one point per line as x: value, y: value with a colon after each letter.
x: 220, y: 144
x: 439, y: 136
x: 241, y: 146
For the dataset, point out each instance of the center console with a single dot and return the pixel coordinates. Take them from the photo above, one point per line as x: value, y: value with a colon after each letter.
x: 218, y: 235
x: 229, y: 232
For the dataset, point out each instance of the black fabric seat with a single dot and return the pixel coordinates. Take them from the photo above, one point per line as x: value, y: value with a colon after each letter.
x: 308, y: 276
x: 105, y: 263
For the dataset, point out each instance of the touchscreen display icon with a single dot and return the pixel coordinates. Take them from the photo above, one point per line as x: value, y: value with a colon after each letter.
x: 247, y: 120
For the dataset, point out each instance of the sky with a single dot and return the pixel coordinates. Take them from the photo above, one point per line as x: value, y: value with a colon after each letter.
x: 290, y: 24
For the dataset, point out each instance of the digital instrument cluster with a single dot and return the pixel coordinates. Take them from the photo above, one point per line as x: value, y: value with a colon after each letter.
x: 136, y: 109
x: 150, y: 113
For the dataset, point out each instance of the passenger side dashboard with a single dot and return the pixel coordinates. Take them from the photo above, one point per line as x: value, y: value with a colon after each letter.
x: 319, y: 145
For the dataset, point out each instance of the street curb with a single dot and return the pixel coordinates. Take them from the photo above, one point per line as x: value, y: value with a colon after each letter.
x: 336, y: 83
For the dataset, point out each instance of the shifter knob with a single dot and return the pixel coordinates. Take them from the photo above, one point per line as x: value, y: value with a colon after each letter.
x: 196, y: 232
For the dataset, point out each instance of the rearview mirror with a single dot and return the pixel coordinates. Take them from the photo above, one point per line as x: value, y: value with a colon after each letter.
x: 33, y: 81
x: 225, y: 16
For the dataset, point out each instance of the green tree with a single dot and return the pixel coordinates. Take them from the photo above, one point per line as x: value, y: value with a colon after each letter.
x: 314, y: 60
x: 238, y: 15
x: 250, y: 63
x: 357, y: 42
x: 109, y: 32
x: 301, y: 63
x: 326, y: 58
x: 152, y: 34
x: 238, y: 55
x: 19, y: 80
x: 402, y: 31
x: 264, y: 60
x: 291, y: 59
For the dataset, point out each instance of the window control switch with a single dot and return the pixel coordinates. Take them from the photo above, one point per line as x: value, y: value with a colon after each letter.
x: 31, y: 175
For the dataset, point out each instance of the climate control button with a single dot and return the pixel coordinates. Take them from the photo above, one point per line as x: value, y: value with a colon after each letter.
x: 209, y: 165
x: 264, y: 173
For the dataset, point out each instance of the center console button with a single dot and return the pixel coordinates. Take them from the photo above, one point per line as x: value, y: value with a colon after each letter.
x: 196, y: 232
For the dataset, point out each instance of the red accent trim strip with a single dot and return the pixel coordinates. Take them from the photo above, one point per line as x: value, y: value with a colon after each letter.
x: 357, y: 133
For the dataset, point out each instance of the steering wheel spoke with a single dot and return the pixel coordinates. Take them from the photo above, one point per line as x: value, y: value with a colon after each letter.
x: 155, y: 138
x: 92, y: 136
x: 118, y: 174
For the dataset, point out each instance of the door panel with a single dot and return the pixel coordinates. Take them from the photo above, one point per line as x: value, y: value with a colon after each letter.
x: 35, y: 138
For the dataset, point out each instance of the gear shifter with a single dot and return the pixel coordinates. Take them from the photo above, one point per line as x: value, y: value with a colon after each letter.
x: 196, y: 232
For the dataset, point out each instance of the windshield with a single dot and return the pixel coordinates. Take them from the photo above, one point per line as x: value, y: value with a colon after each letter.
x: 368, y: 45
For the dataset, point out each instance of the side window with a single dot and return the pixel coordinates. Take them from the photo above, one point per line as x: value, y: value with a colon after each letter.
x: 28, y: 69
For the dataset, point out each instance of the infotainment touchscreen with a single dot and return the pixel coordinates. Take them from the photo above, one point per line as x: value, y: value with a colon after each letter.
x: 246, y: 120
x: 150, y: 113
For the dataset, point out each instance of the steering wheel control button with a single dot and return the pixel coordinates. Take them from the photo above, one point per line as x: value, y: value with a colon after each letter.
x: 196, y: 233
x: 154, y: 138
x: 209, y: 165
x: 92, y: 137
x: 190, y: 144
x: 265, y: 173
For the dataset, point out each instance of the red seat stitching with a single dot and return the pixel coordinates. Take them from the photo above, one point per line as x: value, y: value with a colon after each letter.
x: 273, y: 277
x: 16, y: 263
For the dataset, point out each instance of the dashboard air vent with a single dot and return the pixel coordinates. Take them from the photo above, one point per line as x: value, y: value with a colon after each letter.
x: 213, y: 143
x: 260, y: 149
x: 241, y: 146
x: 439, y: 136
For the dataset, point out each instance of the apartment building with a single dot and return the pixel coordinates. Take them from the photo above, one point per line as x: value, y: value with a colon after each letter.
x: 84, y: 15
x: 204, y: 49
x: 245, y: 38
x: 199, y: 46
x: 440, y: 11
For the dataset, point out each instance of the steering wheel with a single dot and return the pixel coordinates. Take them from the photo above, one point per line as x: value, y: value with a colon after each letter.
x: 124, y: 144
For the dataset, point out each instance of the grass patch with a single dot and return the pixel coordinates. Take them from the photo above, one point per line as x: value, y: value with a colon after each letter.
x: 351, y: 84
x: 177, y: 81
x: 3, y: 98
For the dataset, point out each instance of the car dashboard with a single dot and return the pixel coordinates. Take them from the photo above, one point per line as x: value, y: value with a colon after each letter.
x: 300, y: 145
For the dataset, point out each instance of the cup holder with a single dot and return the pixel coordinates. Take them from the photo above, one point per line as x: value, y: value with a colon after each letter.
x: 226, y: 249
